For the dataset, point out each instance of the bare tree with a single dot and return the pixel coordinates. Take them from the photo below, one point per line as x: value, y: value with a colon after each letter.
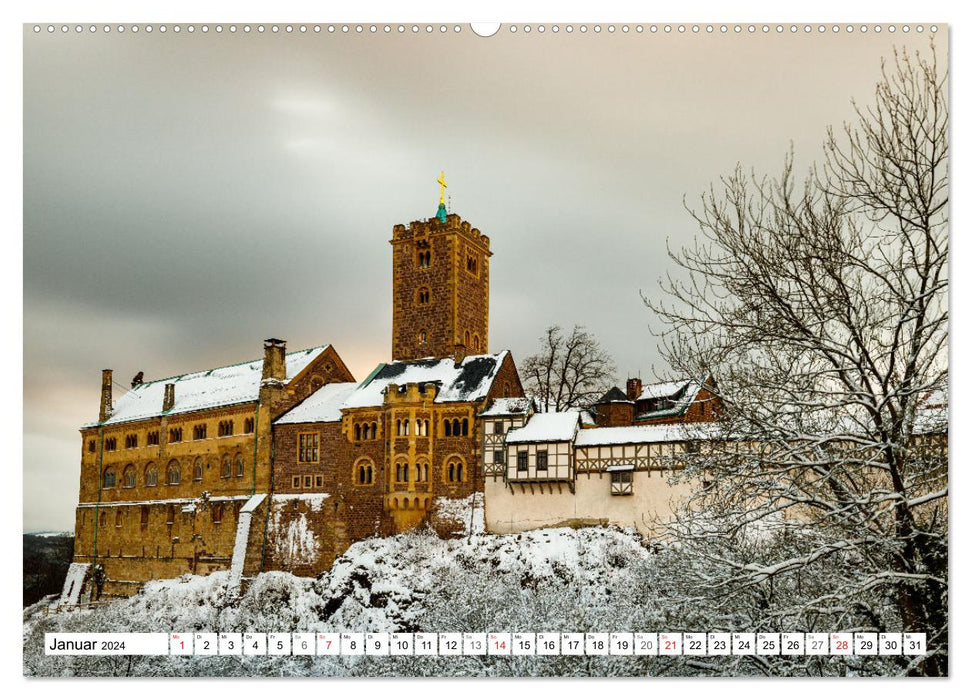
x: 568, y: 371
x: 821, y: 307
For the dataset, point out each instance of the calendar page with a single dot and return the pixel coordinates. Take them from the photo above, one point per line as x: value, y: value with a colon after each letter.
x: 515, y: 349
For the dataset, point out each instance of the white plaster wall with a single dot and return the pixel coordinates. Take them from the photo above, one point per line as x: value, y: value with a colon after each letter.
x: 652, y: 502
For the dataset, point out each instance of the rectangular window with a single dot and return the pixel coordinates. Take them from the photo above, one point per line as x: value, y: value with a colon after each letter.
x: 498, y: 427
x: 308, y: 448
x: 307, y: 481
x: 152, y: 438
x: 92, y: 447
x: 320, y: 482
x: 499, y: 457
x: 175, y: 435
x: 541, y: 460
x: 522, y: 460
x: 296, y: 482
x: 144, y: 515
x: 622, y: 483
x: 248, y: 425
x: 199, y: 432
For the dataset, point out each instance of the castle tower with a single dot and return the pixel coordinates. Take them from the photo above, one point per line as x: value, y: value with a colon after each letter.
x: 440, y: 288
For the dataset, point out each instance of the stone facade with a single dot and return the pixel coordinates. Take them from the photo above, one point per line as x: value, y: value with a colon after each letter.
x: 441, y: 289
x: 160, y: 497
x: 379, y: 483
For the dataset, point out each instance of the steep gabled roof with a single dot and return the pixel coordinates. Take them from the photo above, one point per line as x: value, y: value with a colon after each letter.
x: 681, y: 394
x: 322, y: 406
x: 659, y: 390
x: 615, y: 395
x: 466, y: 382
x: 222, y: 386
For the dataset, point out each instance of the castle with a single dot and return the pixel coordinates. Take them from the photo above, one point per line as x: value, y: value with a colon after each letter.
x: 283, y: 462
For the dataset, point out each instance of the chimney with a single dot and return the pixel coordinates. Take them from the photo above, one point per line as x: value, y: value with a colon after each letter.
x: 634, y: 387
x: 459, y: 354
x: 138, y: 379
x: 105, y: 411
x: 168, y: 401
x: 274, y: 359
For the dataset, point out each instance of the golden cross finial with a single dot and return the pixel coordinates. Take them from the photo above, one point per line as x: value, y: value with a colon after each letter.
x: 441, y: 181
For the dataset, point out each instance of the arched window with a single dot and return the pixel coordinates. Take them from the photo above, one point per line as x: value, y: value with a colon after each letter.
x: 128, y: 477
x: 455, y: 470
x: 240, y: 465
x: 144, y: 516
x: 151, y: 474
x: 364, y: 472
x: 468, y: 339
x: 118, y: 517
x: 170, y: 516
x: 217, y: 512
x: 456, y: 427
x: 448, y: 428
x: 465, y: 426
x: 423, y: 296
x: 227, y: 467
x: 173, y: 473
x: 197, y: 469
x: 374, y: 431
x: 357, y: 431
x: 475, y: 343
x: 406, y: 426
x: 102, y: 519
x: 398, y: 427
x: 249, y: 425
x: 422, y: 337
x: 109, y: 477
x: 421, y: 472
x: 111, y: 444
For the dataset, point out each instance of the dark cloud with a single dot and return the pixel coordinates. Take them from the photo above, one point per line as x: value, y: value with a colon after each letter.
x: 186, y: 196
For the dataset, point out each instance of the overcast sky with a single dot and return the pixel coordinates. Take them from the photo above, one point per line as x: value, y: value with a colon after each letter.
x: 187, y: 196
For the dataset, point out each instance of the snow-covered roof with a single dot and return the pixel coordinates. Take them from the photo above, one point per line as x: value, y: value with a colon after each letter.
x: 470, y: 381
x: 223, y: 386
x: 685, y: 391
x: 614, y: 395
x: 508, y: 407
x: 642, y: 434
x: 547, y: 427
x: 322, y: 406
x: 659, y: 390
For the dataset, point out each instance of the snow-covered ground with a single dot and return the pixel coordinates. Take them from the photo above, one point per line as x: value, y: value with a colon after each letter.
x: 593, y: 579
x: 558, y: 580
